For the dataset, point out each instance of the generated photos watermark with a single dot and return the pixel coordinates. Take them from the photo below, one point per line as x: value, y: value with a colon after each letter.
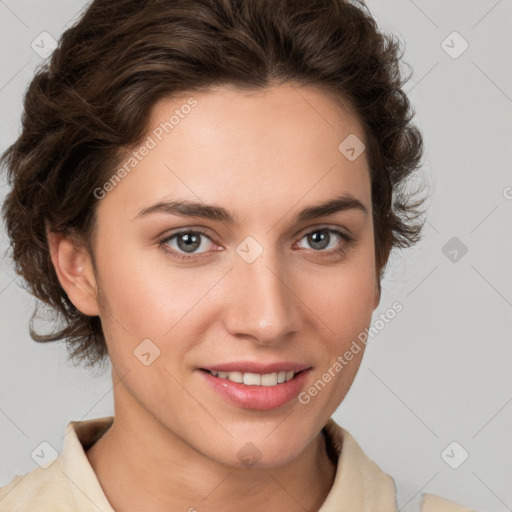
x: 343, y: 360
x: 144, y: 149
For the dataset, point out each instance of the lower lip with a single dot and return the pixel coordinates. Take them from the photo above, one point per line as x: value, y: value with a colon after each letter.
x: 260, y: 398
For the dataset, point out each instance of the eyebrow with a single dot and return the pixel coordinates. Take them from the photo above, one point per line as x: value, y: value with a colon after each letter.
x: 187, y: 208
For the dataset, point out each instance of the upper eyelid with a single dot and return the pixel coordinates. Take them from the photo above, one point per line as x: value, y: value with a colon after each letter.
x: 166, y: 238
x: 326, y: 227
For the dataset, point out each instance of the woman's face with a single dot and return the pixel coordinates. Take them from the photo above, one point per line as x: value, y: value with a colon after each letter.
x: 243, y: 282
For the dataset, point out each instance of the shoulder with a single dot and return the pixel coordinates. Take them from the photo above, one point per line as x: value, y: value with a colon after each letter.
x: 434, y: 503
x: 39, y: 490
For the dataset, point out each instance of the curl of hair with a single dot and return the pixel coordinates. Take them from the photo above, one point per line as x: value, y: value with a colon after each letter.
x: 94, y: 98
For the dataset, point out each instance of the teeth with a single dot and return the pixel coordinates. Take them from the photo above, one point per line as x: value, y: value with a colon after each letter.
x: 269, y: 379
x: 256, y: 379
x: 251, y: 379
x: 235, y: 377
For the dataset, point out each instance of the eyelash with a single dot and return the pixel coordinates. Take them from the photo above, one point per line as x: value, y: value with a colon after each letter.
x: 347, y: 241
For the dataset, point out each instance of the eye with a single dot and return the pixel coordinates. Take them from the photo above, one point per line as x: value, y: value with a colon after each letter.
x: 185, y: 244
x: 327, y: 238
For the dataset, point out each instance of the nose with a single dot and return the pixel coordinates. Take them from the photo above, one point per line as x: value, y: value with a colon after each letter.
x: 262, y: 304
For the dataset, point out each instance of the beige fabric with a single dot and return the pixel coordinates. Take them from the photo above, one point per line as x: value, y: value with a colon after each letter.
x: 69, y: 484
x: 433, y: 503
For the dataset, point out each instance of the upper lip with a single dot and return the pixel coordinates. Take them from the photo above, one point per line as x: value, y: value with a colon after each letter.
x: 257, y: 367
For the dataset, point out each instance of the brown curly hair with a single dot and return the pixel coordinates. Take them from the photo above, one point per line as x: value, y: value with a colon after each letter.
x: 93, y: 99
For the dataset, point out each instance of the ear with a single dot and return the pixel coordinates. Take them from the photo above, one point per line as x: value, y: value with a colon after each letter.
x: 377, y: 294
x: 73, y: 266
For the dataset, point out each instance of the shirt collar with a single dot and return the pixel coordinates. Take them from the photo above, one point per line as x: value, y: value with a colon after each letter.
x: 85, y: 486
x: 359, y: 483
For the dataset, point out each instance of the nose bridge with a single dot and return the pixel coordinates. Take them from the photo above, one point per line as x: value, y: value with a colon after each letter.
x: 262, y: 304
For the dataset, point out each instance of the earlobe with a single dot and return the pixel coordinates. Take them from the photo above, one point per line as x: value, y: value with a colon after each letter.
x: 73, y: 266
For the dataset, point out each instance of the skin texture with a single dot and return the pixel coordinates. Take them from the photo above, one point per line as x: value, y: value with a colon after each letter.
x: 264, y: 156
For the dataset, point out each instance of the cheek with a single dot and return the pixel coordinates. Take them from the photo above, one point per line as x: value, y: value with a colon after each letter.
x: 144, y: 297
x: 344, y: 299
x: 343, y: 305
x: 344, y: 302
x: 346, y: 310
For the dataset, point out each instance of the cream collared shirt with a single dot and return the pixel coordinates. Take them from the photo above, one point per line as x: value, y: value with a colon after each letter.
x: 69, y: 484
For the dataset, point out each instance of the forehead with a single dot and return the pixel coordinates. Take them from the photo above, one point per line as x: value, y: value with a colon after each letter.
x: 286, y: 115
x: 245, y: 149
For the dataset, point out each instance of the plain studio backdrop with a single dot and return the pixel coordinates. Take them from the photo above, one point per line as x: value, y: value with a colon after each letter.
x: 431, y: 404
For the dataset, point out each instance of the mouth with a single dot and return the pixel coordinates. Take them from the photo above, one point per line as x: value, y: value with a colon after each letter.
x: 256, y: 386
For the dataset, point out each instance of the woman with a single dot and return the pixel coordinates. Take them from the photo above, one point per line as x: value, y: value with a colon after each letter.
x: 207, y: 193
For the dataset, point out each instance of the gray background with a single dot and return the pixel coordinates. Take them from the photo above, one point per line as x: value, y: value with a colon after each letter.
x: 440, y: 371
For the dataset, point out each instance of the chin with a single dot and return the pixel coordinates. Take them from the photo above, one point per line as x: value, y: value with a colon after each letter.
x: 260, y: 450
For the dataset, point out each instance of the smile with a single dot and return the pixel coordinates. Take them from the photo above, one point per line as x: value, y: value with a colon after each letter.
x: 252, y: 385
x: 256, y: 379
